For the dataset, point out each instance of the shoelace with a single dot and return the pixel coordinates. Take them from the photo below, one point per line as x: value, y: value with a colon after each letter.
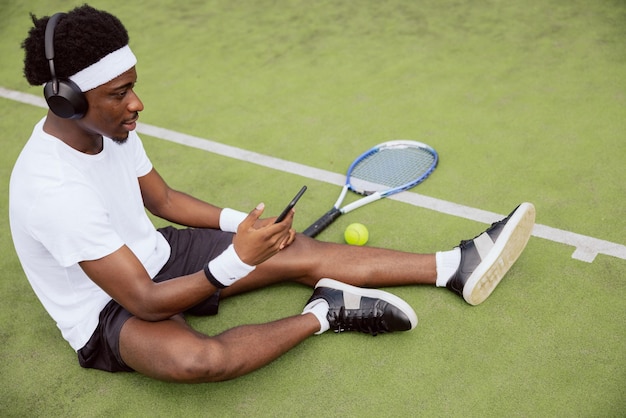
x: 465, y: 242
x: 369, y: 322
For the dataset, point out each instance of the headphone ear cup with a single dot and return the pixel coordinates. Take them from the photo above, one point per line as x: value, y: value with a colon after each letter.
x: 69, y: 102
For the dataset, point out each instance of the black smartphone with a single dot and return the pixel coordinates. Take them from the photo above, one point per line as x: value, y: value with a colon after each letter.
x: 291, y: 205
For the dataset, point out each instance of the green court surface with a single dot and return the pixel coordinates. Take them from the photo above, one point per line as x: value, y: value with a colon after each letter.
x: 525, y: 101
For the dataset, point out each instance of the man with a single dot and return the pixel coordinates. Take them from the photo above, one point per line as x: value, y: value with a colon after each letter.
x: 118, y: 288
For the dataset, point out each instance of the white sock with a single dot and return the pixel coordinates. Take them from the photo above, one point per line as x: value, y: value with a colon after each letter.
x: 319, y: 308
x: 447, y: 264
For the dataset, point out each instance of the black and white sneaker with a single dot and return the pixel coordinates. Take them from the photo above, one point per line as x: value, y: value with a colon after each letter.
x: 369, y: 311
x: 486, y: 258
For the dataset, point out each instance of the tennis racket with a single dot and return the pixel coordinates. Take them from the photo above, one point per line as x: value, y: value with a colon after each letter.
x: 381, y: 171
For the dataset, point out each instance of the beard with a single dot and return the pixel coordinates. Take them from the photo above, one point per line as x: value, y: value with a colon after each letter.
x: 120, y: 141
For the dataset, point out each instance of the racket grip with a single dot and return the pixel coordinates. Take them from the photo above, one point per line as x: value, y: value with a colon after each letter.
x: 321, y: 224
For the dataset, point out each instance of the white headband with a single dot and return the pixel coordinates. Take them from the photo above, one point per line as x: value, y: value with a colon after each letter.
x: 105, y: 70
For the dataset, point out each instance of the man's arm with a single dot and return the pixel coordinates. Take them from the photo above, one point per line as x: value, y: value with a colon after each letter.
x: 183, y: 209
x: 124, y: 278
x: 174, y: 206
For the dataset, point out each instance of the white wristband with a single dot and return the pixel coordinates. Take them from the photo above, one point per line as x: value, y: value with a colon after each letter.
x: 230, y: 219
x: 227, y: 267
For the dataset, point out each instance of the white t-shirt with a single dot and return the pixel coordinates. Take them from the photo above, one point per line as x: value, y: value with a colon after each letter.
x: 66, y: 207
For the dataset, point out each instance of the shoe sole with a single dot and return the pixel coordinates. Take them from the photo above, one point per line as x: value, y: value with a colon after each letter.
x: 374, y: 294
x: 506, y: 250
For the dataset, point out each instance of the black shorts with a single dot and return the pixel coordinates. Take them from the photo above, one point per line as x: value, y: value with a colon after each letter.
x: 192, y: 249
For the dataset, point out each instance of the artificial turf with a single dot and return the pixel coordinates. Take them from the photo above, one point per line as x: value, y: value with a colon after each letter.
x: 525, y: 101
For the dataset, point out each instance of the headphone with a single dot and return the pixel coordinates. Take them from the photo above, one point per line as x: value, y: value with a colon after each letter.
x: 64, y: 97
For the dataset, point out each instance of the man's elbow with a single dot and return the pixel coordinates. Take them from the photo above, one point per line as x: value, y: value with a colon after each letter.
x: 147, y: 310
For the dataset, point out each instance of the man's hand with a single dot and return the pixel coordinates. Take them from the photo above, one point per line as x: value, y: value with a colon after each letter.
x: 257, y: 240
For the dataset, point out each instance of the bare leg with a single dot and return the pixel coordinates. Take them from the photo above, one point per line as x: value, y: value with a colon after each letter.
x: 307, y: 260
x: 171, y: 350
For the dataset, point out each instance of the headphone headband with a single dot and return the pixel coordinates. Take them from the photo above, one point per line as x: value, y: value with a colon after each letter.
x: 49, y: 40
x: 49, y: 48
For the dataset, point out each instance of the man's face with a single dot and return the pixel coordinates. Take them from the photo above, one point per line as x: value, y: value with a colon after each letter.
x: 113, y: 108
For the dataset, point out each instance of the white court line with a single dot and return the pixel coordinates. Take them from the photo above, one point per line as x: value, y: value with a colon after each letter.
x: 586, y: 248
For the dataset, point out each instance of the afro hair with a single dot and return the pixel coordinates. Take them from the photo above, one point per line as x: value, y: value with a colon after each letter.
x: 82, y: 37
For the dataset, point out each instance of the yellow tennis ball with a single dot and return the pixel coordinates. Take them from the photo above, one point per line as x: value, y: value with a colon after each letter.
x: 356, y: 234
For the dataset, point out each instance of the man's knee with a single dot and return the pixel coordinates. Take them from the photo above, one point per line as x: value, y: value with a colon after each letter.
x: 203, y: 362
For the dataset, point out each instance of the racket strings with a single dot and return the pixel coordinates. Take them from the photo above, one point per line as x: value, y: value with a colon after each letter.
x: 391, y: 168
